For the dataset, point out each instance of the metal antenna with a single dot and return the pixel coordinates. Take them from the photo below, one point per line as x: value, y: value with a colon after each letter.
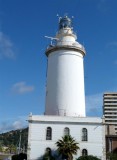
x: 51, y: 39
x: 58, y: 17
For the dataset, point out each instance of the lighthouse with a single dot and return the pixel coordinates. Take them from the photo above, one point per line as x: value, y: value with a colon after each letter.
x: 65, y: 93
x: 65, y: 101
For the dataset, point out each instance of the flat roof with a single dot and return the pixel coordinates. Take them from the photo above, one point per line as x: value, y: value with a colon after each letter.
x: 66, y: 119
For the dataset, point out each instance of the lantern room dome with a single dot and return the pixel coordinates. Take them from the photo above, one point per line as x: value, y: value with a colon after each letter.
x: 65, y: 22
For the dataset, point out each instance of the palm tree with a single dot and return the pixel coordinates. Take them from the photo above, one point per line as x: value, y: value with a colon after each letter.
x: 67, y: 147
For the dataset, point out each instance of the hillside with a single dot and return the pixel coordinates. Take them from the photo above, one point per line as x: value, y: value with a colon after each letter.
x: 13, y: 138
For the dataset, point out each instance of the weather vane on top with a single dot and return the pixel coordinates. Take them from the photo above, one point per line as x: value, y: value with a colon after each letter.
x: 65, y: 15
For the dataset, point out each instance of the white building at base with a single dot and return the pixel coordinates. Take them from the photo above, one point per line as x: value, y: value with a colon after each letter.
x: 65, y: 101
x: 87, y: 131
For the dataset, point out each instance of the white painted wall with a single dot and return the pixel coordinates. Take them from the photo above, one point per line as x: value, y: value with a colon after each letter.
x: 37, y: 137
x: 65, y: 84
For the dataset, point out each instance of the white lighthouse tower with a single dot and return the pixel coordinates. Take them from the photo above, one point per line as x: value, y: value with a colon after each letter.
x: 65, y: 94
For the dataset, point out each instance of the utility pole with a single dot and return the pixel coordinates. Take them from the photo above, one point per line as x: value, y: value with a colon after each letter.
x: 19, y: 146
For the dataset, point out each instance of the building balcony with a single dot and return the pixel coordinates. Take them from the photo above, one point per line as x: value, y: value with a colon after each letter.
x: 111, y: 115
x: 110, y: 107
x: 110, y: 118
x: 110, y: 100
x: 110, y: 111
x: 107, y: 103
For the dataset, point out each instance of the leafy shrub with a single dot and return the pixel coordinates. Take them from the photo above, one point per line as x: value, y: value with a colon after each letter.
x: 89, y: 157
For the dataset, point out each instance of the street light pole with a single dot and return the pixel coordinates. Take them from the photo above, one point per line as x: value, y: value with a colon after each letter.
x: 19, y: 147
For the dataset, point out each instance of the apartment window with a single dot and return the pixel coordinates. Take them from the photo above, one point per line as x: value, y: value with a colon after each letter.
x: 84, y: 134
x: 48, y: 133
x: 84, y: 152
x: 66, y: 131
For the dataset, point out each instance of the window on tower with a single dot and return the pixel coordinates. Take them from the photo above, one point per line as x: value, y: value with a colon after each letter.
x: 84, y: 134
x: 66, y: 131
x: 49, y: 133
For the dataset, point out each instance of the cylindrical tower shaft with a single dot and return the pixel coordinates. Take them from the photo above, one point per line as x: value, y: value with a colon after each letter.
x: 65, y: 74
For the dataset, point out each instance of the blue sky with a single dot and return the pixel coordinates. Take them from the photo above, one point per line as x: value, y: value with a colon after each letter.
x: 23, y: 25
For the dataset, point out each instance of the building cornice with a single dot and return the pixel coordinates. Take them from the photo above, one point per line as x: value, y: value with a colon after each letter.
x: 65, y: 119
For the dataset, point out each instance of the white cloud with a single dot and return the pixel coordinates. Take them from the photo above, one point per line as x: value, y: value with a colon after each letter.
x: 112, y: 47
x: 115, y: 62
x: 94, y: 104
x: 17, y: 125
x: 103, y: 6
x: 114, y: 43
x: 21, y: 88
x: 6, y: 47
x: 8, y: 126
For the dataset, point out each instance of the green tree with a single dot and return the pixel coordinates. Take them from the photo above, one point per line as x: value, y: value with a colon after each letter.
x: 67, y: 147
x: 112, y: 156
x: 89, y: 157
x: 1, y: 148
x: 10, y: 149
x: 21, y: 156
x: 48, y: 154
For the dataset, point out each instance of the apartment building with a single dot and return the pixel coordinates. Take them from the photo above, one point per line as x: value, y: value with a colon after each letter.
x: 110, y: 111
x: 110, y: 114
